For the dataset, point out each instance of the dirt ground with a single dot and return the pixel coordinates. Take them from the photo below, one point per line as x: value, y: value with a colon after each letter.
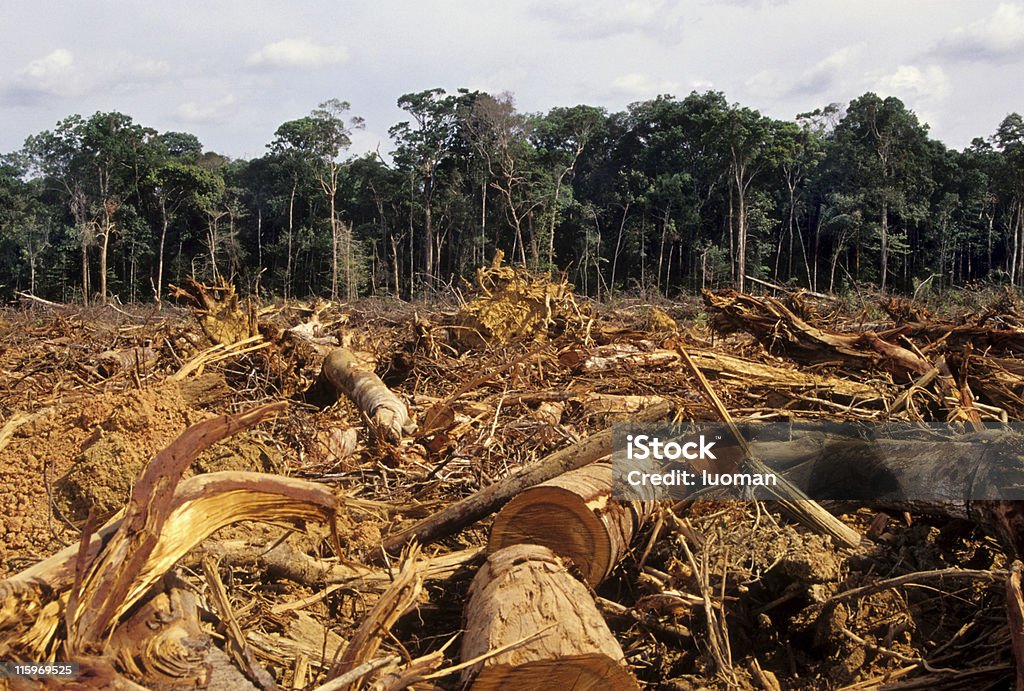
x: 715, y: 594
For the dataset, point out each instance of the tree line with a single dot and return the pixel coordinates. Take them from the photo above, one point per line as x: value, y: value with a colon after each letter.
x: 669, y: 195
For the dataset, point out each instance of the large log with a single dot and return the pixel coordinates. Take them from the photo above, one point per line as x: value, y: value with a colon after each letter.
x: 491, y: 498
x: 576, y: 517
x: 977, y: 477
x: 525, y: 591
x: 386, y: 411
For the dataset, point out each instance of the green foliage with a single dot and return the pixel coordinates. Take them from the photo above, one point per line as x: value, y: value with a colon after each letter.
x: 671, y: 194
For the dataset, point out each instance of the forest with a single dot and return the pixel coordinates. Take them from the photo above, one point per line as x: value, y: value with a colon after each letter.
x: 671, y: 195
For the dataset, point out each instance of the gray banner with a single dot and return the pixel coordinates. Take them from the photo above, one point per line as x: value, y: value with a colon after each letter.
x: 824, y: 461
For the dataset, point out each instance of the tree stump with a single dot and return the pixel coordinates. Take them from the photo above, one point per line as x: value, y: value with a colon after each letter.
x: 576, y: 517
x: 525, y: 591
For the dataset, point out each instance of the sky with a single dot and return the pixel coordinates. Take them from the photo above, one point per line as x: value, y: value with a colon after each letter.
x: 232, y: 72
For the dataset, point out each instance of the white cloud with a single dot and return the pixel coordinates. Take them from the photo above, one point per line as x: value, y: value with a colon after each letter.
x: 296, y: 53
x: 999, y: 37
x: 819, y: 79
x: 54, y: 74
x: 595, y: 19
x: 57, y: 63
x: 929, y: 84
x: 207, y: 111
x: 147, y: 69
x: 59, y: 74
x: 636, y: 85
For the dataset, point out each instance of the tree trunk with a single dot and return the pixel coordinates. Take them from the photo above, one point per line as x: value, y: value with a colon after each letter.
x: 483, y: 223
x: 334, y: 247
x: 158, y: 288
x: 428, y: 240
x: 525, y: 590
x: 618, y: 246
x: 741, y: 228
x: 575, y: 516
x: 291, y: 227
x: 551, y: 229
x: 103, y: 265
x: 385, y: 410
x: 885, y: 241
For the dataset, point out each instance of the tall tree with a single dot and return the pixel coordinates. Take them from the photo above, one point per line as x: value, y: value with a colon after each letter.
x: 429, y: 148
x: 321, y: 137
x: 883, y: 145
x: 177, y: 186
x: 562, y: 136
x: 749, y: 137
x: 99, y: 164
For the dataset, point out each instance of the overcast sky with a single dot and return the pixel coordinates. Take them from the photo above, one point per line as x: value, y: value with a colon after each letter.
x: 231, y: 72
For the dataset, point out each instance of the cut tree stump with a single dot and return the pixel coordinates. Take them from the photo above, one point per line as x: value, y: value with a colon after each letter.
x: 526, y: 592
x: 385, y: 411
x: 576, y: 517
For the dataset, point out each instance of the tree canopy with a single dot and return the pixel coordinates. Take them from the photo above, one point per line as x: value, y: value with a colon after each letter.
x: 672, y: 194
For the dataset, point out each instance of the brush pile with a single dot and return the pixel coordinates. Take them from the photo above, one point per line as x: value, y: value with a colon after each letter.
x: 377, y: 496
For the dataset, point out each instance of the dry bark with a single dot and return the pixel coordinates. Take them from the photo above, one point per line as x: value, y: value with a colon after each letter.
x: 526, y: 591
x: 386, y: 411
x: 576, y: 517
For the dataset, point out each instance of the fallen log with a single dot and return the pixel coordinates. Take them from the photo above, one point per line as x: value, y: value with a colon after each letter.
x: 526, y: 591
x: 491, y: 498
x: 576, y: 517
x: 111, y: 362
x: 977, y: 478
x: 780, y: 330
x: 385, y: 411
x: 719, y: 365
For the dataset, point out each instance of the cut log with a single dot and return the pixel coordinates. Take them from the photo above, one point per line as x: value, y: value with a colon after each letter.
x: 386, y: 411
x: 526, y: 591
x: 575, y: 516
x: 491, y: 498
x: 111, y: 362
